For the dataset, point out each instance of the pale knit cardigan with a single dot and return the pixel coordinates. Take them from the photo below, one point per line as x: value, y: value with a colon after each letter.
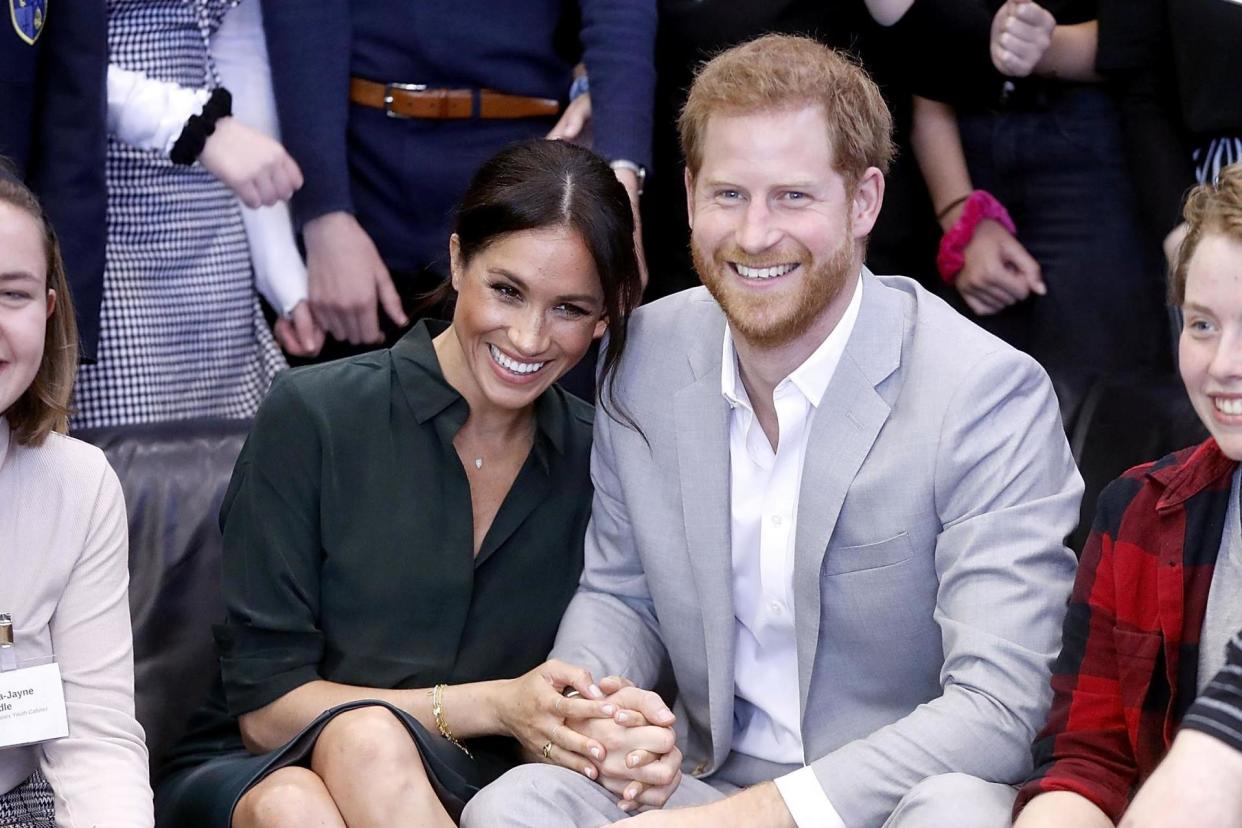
x: 64, y: 577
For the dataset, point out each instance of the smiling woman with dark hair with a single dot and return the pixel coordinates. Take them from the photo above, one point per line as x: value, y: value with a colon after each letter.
x: 404, y: 530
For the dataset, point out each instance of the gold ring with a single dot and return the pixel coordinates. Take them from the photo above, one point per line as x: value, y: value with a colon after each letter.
x: 547, y: 749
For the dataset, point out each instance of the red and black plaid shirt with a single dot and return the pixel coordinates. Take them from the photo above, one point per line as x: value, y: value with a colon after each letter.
x: 1130, y: 649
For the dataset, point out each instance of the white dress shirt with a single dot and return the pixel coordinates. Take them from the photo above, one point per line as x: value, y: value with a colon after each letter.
x: 764, y: 487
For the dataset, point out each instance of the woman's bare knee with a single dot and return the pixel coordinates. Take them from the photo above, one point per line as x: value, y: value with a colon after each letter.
x: 366, y: 739
x: 372, y: 767
x: 287, y: 798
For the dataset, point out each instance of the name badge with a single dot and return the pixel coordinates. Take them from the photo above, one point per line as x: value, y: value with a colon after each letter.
x: 32, y: 706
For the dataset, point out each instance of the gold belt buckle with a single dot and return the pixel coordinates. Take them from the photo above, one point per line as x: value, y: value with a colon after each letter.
x: 404, y: 87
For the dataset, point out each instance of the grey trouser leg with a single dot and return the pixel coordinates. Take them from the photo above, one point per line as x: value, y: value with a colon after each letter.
x: 547, y: 796
x: 954, y: 799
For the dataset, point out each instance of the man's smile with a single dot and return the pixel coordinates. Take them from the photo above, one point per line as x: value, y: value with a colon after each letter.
x: 771, y: 272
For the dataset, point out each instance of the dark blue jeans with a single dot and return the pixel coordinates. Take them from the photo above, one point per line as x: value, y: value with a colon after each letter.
x: 1060, y: 169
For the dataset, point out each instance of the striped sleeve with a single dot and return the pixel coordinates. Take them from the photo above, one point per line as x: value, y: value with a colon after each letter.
x: 1218, y: 710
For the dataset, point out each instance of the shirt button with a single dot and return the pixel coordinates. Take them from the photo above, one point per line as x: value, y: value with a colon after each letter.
x: 776, y: 520
x: 699, y: 769
x: 776, y: 607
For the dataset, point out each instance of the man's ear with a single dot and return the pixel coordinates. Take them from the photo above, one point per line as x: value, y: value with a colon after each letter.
x: 455, y: 261
x: 867, y: 201
x: 600, y: 327
x: 51, y: 303
x: 690, y: 197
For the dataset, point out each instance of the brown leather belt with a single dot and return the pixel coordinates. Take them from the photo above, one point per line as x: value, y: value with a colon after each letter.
x: 410, y: 100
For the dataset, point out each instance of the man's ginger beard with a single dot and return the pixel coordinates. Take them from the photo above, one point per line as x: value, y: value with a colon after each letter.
x: 752, y: 316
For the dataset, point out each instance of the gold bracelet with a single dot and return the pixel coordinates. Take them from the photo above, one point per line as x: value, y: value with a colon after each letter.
x: 437, y: 710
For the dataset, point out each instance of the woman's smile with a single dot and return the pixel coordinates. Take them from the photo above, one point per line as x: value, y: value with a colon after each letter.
x: 513, y: 366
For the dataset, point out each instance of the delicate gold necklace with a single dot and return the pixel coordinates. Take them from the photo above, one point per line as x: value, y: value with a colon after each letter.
x: 478, y: 460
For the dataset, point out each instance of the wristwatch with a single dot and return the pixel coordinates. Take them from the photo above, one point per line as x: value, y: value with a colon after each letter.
x: 639, y: 171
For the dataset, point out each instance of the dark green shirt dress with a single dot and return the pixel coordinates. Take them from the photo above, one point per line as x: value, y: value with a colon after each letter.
x: 348, y: 556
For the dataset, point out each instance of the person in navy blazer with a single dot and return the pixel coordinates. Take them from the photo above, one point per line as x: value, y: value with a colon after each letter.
x: 53, y: 65
x: 379, y: 191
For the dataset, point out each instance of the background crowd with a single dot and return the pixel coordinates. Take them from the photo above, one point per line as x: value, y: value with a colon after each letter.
x: 241, y: 185
x: 1082, y: 122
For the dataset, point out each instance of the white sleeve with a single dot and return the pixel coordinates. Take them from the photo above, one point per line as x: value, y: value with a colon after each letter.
x: 807, y: 803
x: 146, y: 113
x: 99, y: 772
x: 239, y: 52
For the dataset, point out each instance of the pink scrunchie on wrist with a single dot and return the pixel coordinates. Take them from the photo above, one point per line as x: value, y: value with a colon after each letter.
x: 952, y: 255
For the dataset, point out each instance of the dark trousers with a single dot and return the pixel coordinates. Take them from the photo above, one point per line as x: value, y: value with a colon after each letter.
x: 1059, y: 166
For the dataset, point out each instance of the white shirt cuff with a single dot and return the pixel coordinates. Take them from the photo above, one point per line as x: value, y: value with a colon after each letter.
x: 149, y: 114
x: 807, y: 803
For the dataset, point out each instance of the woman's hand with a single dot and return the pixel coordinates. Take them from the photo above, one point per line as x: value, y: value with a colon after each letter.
x: 998, y: 271
x: 256, y: 168
x: 299, y: 334
x: 532, y: 709
x: 1021, y: 34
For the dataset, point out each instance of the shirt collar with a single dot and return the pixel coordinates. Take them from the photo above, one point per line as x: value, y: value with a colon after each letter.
x: 1204, y: 468
x: 5, y: 438
x: 812, y: 376
x: 429, y: 393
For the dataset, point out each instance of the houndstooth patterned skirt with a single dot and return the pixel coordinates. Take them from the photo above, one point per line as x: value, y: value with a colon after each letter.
x: 182, y: 334
x: 29, y: 805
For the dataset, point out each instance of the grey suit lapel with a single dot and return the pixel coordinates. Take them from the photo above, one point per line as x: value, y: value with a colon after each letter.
x: 703, y: 465
x: 847, y: 422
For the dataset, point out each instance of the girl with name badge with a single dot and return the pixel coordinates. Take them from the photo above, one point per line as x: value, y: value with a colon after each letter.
x: 71, y: 751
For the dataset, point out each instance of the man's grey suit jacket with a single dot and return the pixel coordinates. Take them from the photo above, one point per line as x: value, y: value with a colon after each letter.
x: 930, y: 578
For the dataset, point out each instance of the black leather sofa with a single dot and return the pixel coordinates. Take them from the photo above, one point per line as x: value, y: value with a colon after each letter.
x: 174, y: 476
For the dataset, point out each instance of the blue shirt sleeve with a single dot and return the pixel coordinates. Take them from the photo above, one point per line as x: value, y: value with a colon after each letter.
x: 308, y: 43
x: 66, y: 162
x: 618, y: 42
